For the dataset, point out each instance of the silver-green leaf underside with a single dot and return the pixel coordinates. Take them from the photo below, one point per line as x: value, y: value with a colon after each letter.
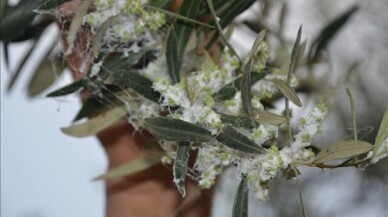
x: 96, y: 124
x: 238, y: 141
x: 100, y: 35
x: 177, y: 130
x: 343, y: 149
x: 271, y: 118
x: 44, y: 76
x: 76, y: 22
x: 288, y: 92
x: 131, y: 168
x: 382, y: 134
x: 180, y: 166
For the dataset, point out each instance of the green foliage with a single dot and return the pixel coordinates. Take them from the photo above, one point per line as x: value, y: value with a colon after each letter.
x: 381, y: 136
x: 229, y: 90
x: 140, y: 84
x: 240, y: 206
x: 238, y: 121
x: 177, y: 130
x: 195, y: 91
x: 178, y: 38
x: 328, y: 33
x: 341, y: 150
x: 288, y: 92
x: 68, y: 89
x: 131, y: 168
x: 238, y: 141
x: 96, y: 124
x: 180, y: 166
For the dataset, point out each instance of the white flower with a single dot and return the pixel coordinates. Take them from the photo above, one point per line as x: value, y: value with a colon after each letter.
x: 308, y: 127
x: 210, y: 162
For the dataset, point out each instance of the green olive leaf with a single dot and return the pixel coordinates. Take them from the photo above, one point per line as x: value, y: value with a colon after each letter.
x: 288, y: 92
x: 133, y: 80
x: 237, y: 121
x: 240, y: 206
x: 100, y: 35
x: 91, y: 106
x: 246, y: 97
x: 76, y: 22
x: 178, y: 38
x: 177, y: 130
x: 229, y: 90
x: 96, y: 124
x: 381, y: 135
x: 131, y: 168
x: 180, y: 166
x: 328, y: 33
x: 17, y: 19
x: 294, y: 55
x: 220, y: 30
x: 238, y: 141
x: 343, y: 149
x: 15, y: 75
x: 265, y: 117
x: 68, y: 89
x: 44, y: 76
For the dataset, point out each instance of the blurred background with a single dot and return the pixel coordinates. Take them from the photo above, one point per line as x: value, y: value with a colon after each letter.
x: 45, y: 173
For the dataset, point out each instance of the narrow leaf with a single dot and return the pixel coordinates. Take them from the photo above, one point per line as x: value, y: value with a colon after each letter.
x: 135, y: 81
x: 177, y: 130
x: 44, y: 76
x: 238, y: 141
x: 229, y: 90
x: 15, y: 75
x: 246, y: 97
x: 271, y: 118
x: 17, y: 19
x: 343, y: 149
x: 180, y: 166
x: 234, y: 8
x: 288, y: 92
x: 91, y: 106
x: 240, y: 206
x: 100, y: 35
x: 382, y: 134
x: 220, y: 31
x: 237, y: 121
x: 130, y: 168
x: 304, y: 211
x: 328, y: 33
x: 227, y: 12
x: 68, y: 89
x: 119, y: 63
x: 302, y: 50
x: 76, y: 22
x: 294, y: 55
x: 178, y: 38
x: 96, y: 124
